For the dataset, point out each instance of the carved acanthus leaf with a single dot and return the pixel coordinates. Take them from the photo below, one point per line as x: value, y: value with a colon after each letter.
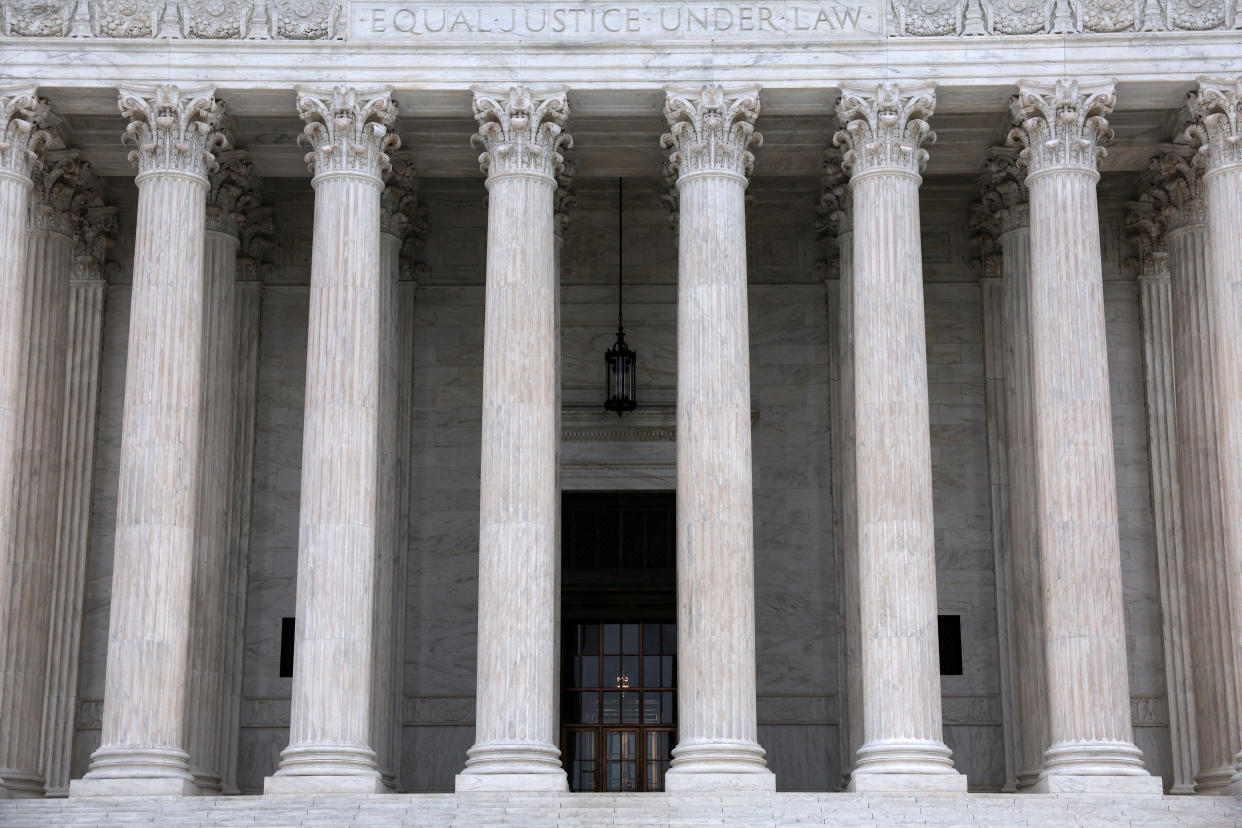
x: 885, y: 127
x: 347, y: 130
x: 1003, y: 190
x: 21, y: 136
x: 234, y: 192
x: 1062, y: 126
x: 836, y: 202
x: 94, y: 225
x: 1217, y: 134
x: 399, y: 199
x: 521, y: 131
x: 710, y: 129
x: 55, y: 184
x: 564, y: 200
x: 172, y: 130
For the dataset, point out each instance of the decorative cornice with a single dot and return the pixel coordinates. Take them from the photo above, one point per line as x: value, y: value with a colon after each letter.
x: 172, y: 130
x: 885, y: 127
x: 177, y: 19
x: 1062, y: 126
x: 55, y: 184
x: 234, y: 192
x: 1217, y: 133
x: 21, y: 136
x: 711, y: 130
x: 521, y: 131
x: 347, y: 130
x: 975, y: 18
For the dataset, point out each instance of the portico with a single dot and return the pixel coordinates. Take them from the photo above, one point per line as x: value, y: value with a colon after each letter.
x: 931, y: 335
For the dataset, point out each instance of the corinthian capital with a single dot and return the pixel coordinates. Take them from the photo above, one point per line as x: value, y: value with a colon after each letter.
x: 1172, y: 186
x: 172, y: 130
x: 710, y: 129
x: 399, y: 201
x: 347, y: 130
x: 1003, y: 190
x: 885, y: 127
x: 1063, y: 126
x: 521, y: 131
x: 21, y: 138
x: 234, y: 192
x: 1217, y: 134
x: 836, y: 200
x: 55, y: 187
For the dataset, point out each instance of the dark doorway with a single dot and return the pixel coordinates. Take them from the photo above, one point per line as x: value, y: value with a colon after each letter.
x: 619, y: 639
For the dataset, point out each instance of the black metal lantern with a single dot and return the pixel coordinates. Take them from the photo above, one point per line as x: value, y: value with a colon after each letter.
x: 620, y: 363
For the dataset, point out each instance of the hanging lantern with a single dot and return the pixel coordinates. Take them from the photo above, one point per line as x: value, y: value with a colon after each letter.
x: 620, y: 363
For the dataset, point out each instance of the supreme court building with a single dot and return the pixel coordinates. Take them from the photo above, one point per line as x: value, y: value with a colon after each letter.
x: 921, y: 471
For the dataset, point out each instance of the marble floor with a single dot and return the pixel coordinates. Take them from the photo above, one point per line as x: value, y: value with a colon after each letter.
x: 750, y: 810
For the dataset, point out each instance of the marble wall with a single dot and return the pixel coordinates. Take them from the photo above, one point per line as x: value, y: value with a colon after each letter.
x: 795, y: 590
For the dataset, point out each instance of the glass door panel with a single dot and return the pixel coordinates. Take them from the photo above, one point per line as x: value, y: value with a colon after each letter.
x: 621, y: 760
x: 659, y: 755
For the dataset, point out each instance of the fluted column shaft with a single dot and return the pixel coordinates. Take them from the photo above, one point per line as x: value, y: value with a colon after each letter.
x: 247, y: 303
x: 85, y: 326
x: 205, y: 693
x: 717, y: 740
x: 1218, y: 106
x: 516, y: 698
x: 330, y: 736
x: 161, y: 439
x: 1080, y: 554
x: 17, y: 157
x: 882, y: 129
x: 992, y: 294
x: 1028, y: 599
x: 1158, y: 305
x: 41, y: 372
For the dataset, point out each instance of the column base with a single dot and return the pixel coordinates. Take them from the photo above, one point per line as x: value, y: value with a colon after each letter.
x: 764, y: 780
x: 865, y: 782
x: 510, y: 782
x: 133, y: 786
x: 1096, y: 766
x: 18, y: 785
x: 1235, y: 787
x: 326, y: 784
x: 1215, y: 781
x: 1064, y: 783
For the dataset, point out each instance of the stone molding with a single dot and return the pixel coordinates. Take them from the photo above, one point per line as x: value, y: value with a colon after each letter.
x: 885, y: 127
x: 173, y: 130
x: 172, y: 20
x: 347, y: 130
x: 234, y: 192
x: 21, y: 139
x: 1062, y: 126
x: 1217, y: 132
x: 521, y: 131
x: 711, y: 130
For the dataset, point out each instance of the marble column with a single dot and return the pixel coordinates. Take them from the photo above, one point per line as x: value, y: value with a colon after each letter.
x: 883, y: 132
x: 516, y: 721
x: 20, y: 142
x: 836, y: 203
x: 1006, y: 198
x: 142, y: 750
x: 36, y: 473
x: 1218, y: 134
x: 247, y: 304
x: 94, y: 234
x: 233, y: 191
x: 986, y: 229
x: 710, y: 132
x: 397, y: 204
x: 330, y: 739
x: 1060, y: 128
x: 1146, y: 223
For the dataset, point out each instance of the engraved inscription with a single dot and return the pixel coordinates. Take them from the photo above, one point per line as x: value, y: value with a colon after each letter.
x: 837, y: 19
